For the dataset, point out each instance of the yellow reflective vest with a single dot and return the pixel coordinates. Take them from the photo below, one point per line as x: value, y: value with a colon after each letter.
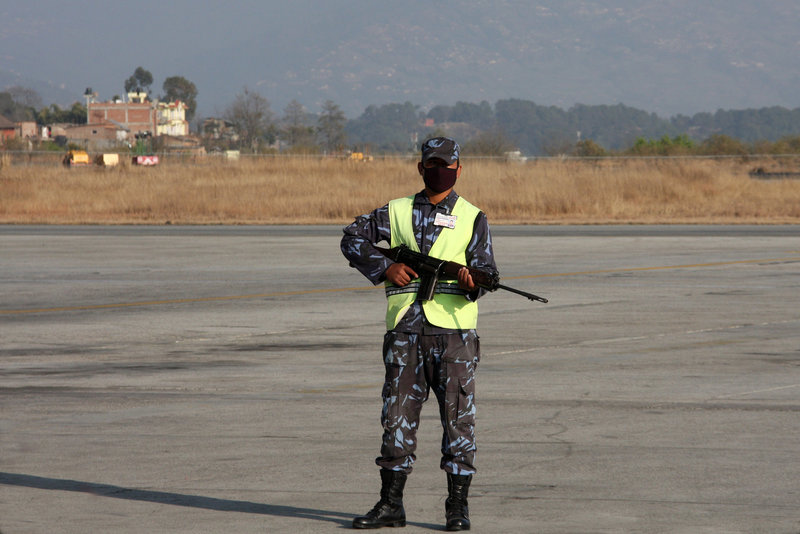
x: 449, y: 307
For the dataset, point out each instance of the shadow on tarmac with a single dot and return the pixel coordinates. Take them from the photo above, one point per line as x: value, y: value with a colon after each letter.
x: 177, y: 499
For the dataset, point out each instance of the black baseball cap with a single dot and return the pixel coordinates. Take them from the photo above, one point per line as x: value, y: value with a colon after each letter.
x: 443, y: 148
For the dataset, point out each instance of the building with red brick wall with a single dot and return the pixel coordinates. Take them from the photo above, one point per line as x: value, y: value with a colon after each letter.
x: 137, y: 115
x: 8, y: 130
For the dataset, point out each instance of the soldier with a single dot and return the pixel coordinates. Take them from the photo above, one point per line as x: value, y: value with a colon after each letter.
x: 431, y: 345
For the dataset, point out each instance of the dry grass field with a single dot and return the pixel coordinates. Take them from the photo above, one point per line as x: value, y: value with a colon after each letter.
x: 319, y: 191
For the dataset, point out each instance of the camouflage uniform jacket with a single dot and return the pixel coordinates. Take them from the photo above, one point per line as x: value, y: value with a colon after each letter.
x: 374, y: 227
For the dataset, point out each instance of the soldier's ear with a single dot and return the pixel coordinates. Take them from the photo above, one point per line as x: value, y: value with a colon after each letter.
x: 420, y: 168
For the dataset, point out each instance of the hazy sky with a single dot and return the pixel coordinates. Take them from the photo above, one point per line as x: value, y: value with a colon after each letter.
x: 668, y: 56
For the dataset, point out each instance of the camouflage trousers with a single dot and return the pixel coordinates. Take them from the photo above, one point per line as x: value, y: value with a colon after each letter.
x: 415, y: 365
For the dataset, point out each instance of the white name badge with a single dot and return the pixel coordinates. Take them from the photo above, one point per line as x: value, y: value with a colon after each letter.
x: 448, y: 221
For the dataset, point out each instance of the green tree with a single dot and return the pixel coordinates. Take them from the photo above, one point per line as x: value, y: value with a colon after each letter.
x: 27, y: 101
x: 587, y: 148
x: 748, y: 125
x: 480, y: 115
x: 391, y: 127
x: 141, y: 80
x: 53, y: 114
x: 489, y: 143
x: 616, y: 126
x: 253, y: 118
x: 76, y: 114
x: 535, y: 129
x: 440, y: 114
x: 19, y: 103
x: 179, y: 88
x: 330, y: 127
x: 295, y: 128
x: 719, y: 144
x: 665, y: 146
x: 7, y: 105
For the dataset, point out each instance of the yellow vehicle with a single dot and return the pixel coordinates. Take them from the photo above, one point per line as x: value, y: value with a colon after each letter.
x: 77, y: 157
x: 107, y: 160
x: 360, y: 156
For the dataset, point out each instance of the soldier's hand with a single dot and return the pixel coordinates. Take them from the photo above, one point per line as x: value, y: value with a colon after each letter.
x: 465, y: 280
x: 400, y: 274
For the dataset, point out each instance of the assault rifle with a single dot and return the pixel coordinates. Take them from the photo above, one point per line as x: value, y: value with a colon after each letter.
x: 431, y: 269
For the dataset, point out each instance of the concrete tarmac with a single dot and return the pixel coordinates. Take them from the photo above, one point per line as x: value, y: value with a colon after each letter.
x: 227, y: 379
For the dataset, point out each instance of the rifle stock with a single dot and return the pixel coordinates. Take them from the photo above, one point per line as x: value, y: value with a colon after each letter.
x: 431, y: 269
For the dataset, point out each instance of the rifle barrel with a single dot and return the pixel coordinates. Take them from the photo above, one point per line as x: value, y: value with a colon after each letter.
x: 530, y: 296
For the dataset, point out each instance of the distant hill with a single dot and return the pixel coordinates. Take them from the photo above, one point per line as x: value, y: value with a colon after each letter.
x: 666, y: 57
x: 669, y: 57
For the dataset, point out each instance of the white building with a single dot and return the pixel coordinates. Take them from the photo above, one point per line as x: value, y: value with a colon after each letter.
x: 171, y: 119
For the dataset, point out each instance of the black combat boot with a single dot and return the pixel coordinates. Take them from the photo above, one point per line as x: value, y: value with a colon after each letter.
x: 456, y: 508
x: 389, y: 511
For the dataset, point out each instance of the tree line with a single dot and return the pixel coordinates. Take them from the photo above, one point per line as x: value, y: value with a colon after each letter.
x: 619, y: 129
x: 482, y: 128
x: 583, y: 130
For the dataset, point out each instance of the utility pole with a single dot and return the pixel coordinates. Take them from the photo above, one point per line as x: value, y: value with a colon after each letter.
x: 89, y: 96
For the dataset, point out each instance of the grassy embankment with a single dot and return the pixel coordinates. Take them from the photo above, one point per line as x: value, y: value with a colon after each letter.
x: 321, y: 191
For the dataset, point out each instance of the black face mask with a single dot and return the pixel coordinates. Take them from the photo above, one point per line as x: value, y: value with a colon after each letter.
x: 439, y: 179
